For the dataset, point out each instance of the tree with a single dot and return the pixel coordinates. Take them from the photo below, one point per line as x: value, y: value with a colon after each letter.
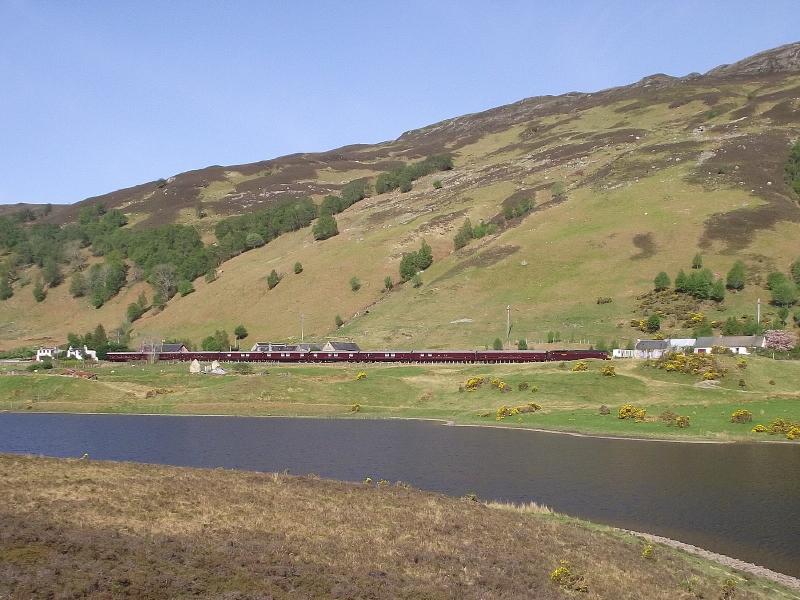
x: 424, y: 256
x: 217, y: 342
x: 717, y: 292
x: 680, y: 281
x: 240, y: 332
x: 38, y: 291
x: 273, y: 279
x: 653, y: 323
x: 325, y: 227
x: 779, y: 340
x: 601, y: 345
x: 497, y: 344
x: 437, y: 184
x: 736, y: 276
x: 661, y: 282
x: 697, y: 261
x: 298, y: 268
x: 775, y: 278
x: 134, y: 311
x: 463, y: 235
x: 355, y: 283
x: 408, y: 265
x: 388, y: 284
x: 784, y: 293
x: 99, y: 337
x: 5, y: 287
x: 416, y: 280
x: 339, y: 322
x: 164, y: 279
x: 731, y: 327
x: 77, y: 285
x: 51, y: 272
x: 185, y: 287
x: 522, y: 344
x: 795, y: 271
x: 254, y: 240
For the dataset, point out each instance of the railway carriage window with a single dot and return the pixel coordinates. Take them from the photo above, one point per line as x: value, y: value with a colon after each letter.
x: 350, y: 355
x: 392, y: 354
x: 335, y: 354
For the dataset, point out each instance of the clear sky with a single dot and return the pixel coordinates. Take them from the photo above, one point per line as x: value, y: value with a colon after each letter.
x: 98, y: 95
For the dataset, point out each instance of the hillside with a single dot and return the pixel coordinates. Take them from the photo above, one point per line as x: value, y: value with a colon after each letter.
x: 625, y: 182
x: 97, y: 530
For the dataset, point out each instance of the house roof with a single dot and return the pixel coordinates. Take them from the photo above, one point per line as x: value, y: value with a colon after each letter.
x: 681, y: 342
x: 652, y: 345
x: 344, y: 346
x: 309, y: 347
x: 731, y: 341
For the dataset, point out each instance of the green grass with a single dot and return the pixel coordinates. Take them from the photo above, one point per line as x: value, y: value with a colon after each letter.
x: 570, y: 400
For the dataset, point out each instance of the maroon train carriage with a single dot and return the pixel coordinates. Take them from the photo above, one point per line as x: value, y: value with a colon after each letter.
x: 383, y: 356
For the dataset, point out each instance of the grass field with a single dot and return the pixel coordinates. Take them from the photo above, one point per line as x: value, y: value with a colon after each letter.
x: 570, y: 401
x: 98, y: 530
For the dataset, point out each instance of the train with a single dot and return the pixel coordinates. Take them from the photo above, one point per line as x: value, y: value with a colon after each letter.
x: 360, y: 356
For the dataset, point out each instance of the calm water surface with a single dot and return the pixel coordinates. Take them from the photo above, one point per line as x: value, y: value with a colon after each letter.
x: 742, y: 500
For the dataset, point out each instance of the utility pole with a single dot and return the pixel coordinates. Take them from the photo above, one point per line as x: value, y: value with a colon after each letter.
x: 302, y: 316
x: 508, y: 325
x: 758, y: 312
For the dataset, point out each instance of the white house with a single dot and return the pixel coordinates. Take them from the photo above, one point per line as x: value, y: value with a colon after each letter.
x: 47, y: 352
x: 737, y: 344
x: 82, y: 354
x: 681, y: 344
x: 648, y: 349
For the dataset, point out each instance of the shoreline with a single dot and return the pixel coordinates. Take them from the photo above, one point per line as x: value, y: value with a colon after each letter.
x: 444, y: 422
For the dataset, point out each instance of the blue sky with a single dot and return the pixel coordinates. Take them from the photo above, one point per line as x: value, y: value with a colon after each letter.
x: 100, y: 95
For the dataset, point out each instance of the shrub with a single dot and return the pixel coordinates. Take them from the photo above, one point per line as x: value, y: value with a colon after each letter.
x: 298, y: 268
x: 437, y: 184
x: 38, y: 291
x: 361, y: 375
x: 647, y: 552
x: 45, y: 364
x: 604, y: 410
x: 77, y: 285
x: 604, y: 300
x: 564, y: 578
x: 653, y: 323
x: 357, y: 408
x: 416, y: 280
x: 742, y: 383
x: 243, y: 368
x: 523, y: 385
x: 759, y: 429
x: 135, y: 311
x: 580, y: 366
x: 741, y: 415
x: 682, y: 422
x: 784, y: 293
x: 629, y: 411
x: 497, y: 344
x: 609, y: 371
x: 668, y: 417
x: 254, y: 240
x: 388, y: 284
x: 741, y: 363
x: 736, y: 276
x: 473, y: 383
x: 355, y: 283
x: 697, y: 261
x: 522, y: 344
x: 273, y: 279
x: 339, y: 322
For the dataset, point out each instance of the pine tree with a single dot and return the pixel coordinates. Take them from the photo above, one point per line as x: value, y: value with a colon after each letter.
x: 298, y: 268
x: 680, y: 281
x: 736, y: 276
x: 697, y: 261
x: 661, y: 282
x: 424, y: 256
x: 77, y: 285
x: 38, y: 291
x: 497, y: 344
x: 325, y: 227
x: 273, y: 279
x: 717, y: 291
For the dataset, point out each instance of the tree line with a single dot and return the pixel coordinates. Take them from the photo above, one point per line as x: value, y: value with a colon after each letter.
x: 403, y: 177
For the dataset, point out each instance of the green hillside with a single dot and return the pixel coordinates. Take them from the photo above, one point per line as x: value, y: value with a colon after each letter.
x: 621, y: 184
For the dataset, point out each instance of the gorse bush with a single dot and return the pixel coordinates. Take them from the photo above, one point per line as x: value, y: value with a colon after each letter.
x: 741, y: 415
x: 629, y: 411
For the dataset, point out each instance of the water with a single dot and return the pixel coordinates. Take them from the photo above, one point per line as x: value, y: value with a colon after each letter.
x: 742, y: 500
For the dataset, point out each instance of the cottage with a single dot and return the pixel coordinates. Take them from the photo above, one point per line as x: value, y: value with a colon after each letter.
x: 681, y: 344
x: 737, y: 344
x: 340, y: 347
x: 47, y: 352
x: 82, y: 354
x: 650, y: 349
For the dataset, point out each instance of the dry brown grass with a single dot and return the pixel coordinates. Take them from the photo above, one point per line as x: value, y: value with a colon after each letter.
x: 73, y: 529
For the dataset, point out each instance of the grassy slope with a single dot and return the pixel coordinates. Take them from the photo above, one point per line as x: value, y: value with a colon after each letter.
x: 550, y: 266
x: 94, y: 529
x: 569, y: 400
